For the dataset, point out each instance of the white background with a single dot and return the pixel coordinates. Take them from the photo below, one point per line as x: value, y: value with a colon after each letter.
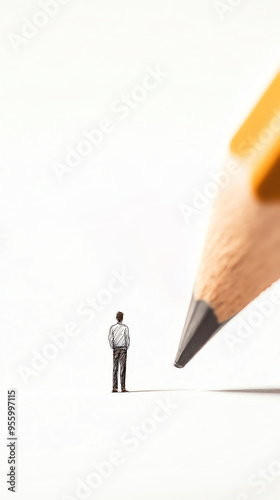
x: 120, y: 210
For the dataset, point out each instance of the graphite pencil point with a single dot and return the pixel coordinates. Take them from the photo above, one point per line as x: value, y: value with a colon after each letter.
x: 177, y: 365
x: 200, y: 326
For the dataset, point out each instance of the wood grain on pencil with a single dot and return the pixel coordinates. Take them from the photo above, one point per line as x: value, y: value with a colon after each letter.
x: 241, y: 256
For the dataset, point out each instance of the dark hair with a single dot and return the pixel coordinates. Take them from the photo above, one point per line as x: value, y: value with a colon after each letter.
x: 119, y: 316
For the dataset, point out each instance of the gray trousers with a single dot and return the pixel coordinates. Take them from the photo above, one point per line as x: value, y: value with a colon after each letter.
x: 119, y: 358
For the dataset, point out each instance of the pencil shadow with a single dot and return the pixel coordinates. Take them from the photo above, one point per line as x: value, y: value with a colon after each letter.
x: 267, y: 390
x: 249, y: 391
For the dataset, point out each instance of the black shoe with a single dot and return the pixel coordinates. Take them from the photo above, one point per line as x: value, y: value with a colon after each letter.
x: 124, y: 390
x: 115, y: 390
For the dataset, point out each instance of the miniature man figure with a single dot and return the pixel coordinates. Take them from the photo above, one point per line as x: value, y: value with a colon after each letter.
x: 119, y: 341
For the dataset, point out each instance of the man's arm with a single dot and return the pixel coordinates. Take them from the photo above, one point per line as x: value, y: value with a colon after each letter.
x: 127, y: 337
x: 110, y: 338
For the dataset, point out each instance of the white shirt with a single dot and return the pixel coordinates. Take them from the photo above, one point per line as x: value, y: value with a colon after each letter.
x: 119, y: 336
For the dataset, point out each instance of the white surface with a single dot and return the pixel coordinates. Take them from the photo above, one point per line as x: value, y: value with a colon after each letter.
x: 120, y: 209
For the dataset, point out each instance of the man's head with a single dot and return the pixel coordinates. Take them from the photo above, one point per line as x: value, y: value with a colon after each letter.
x: 119, y: 316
